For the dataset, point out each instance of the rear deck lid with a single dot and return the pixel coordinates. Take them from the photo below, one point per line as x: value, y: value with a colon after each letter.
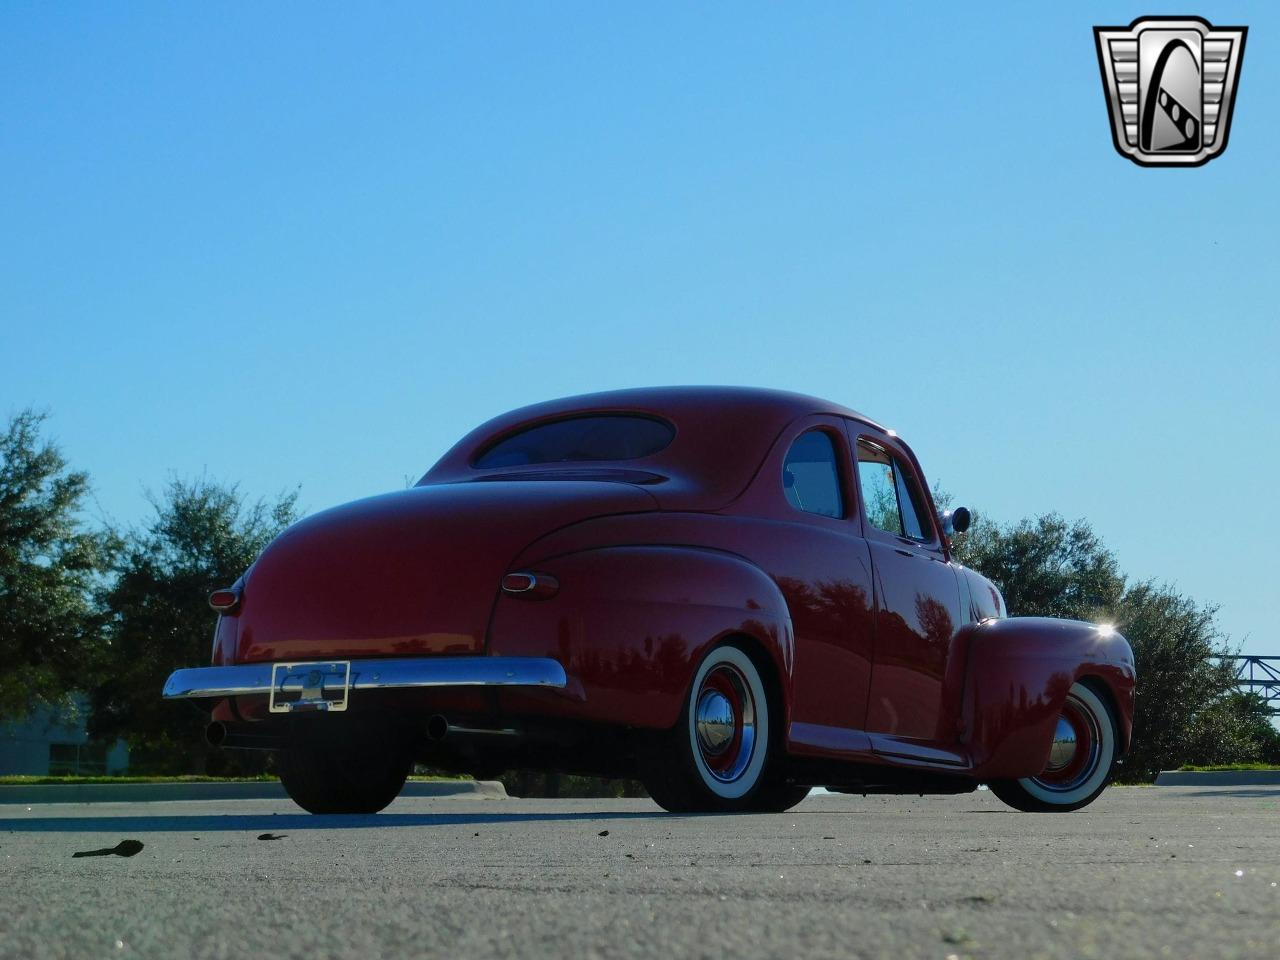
x: 407, y: 573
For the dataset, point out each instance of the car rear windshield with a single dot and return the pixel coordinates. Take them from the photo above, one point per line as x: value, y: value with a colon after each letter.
x: 599, y: 437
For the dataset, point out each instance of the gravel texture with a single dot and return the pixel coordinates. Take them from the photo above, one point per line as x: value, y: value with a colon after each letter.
x: 1144, y: 872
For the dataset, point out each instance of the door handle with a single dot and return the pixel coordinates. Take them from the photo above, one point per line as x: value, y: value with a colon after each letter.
x: 905, y: 553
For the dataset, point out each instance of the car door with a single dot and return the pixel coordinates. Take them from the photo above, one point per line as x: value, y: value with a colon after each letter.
x: 801, y: 527
x: 918, y: 605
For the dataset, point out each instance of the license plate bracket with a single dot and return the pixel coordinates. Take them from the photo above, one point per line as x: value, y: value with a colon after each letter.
x: 310, y: 686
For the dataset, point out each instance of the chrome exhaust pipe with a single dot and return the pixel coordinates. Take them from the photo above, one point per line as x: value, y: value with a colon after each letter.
x: 244, y: 736
x: 215, y: 734
x: 482, y: 731
x: 437, y: 728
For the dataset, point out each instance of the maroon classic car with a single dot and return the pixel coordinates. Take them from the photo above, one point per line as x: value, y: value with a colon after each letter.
x: 733, y: 594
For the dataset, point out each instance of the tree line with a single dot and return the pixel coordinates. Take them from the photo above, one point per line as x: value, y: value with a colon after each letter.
x: 111, y: 611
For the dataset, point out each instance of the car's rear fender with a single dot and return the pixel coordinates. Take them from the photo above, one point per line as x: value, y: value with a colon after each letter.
x: 1019, y: 671
x: 631, y: 623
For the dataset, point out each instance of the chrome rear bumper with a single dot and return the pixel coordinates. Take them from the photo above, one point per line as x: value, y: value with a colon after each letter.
x: 248, y: 679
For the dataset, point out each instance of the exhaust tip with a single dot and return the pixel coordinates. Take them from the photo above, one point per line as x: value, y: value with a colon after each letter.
x: 215, y: 734
x: 437, y: 727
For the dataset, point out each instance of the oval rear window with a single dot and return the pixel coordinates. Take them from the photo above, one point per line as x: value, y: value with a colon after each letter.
x: 599, y: 437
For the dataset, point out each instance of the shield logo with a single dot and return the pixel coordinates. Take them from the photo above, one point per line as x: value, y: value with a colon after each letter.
x: 1170, y: 84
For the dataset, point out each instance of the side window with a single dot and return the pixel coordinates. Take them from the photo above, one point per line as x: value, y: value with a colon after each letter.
x: 910, y: 505
x: 879, y: 488
x: 892, y: 500
x: 810, y: 477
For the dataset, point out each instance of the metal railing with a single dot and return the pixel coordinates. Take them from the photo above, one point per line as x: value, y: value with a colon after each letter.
x: 1260, y: 675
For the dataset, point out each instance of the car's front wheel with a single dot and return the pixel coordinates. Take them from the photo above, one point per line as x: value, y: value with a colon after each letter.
x: 1081, y: 760
x: 723, y: 754
x: 344, y: 775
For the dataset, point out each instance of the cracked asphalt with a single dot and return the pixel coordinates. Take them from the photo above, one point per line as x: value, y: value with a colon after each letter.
x: 1144, y: 872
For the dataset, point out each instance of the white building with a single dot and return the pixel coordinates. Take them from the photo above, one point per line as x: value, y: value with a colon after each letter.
x: 53, y: 742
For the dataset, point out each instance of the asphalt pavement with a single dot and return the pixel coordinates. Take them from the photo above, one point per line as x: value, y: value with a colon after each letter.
x: 1145, y: 872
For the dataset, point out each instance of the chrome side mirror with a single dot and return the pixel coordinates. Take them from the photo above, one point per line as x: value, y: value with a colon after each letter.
x: 955, y: 521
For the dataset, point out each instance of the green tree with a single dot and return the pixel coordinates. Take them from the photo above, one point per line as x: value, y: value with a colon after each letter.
x: 1184, y: 688
x: 203, y: 536
x: 1188, y: 708
x: 1235, y: 729
x: 1045, y: 567
x: 49, y: 568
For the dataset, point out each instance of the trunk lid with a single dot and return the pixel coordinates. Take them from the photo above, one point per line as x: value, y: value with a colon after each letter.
x: 408, y: 573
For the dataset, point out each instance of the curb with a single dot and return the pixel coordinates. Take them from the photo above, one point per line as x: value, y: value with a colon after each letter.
x: 263, y: 790
x: 1220, y: 778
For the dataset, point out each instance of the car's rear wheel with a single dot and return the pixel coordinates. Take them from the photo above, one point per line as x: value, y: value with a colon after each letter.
x: 723, y: 753
x: 1081, y: 760
x: 347, y: 775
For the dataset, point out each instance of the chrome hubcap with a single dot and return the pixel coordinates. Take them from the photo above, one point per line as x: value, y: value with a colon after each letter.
x: 724, y: 723
x: 1077, y: 747
x: 715, y: 722
x: 1064, y: 745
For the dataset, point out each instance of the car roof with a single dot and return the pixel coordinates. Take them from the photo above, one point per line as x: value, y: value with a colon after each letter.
x: 722, y: 436
x: 672, y: 401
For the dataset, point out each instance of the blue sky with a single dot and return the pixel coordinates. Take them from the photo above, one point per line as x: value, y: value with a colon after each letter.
x: 301, y: 244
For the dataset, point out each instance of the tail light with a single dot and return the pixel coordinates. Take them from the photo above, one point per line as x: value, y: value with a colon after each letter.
x: 224, y: 601
x: 530, y: 586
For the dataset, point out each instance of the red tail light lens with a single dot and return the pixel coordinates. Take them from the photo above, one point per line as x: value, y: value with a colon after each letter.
x: 530, y: 586
x: 224, y: 601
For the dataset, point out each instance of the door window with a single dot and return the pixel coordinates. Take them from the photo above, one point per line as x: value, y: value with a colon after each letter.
x: 890, y: 495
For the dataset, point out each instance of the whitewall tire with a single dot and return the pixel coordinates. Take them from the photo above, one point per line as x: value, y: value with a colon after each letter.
x: 724, y: 754
x: 727, y: 723
x: 1081, y: 761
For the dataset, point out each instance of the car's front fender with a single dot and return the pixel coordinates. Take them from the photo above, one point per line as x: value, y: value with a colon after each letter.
x: 1019, y: 671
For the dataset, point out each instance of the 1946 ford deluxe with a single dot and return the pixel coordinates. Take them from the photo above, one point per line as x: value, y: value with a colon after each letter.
x: 733, y: 594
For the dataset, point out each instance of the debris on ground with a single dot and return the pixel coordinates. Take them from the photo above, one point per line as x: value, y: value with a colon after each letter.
x: 125, y: 848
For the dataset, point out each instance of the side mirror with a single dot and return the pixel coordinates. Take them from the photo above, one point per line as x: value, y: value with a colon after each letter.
x: 955, y: 521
